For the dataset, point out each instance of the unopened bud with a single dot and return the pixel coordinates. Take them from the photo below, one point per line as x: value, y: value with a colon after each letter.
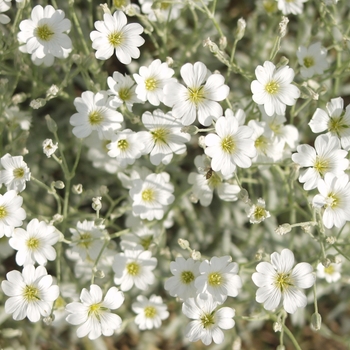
x: 77, y: 189
x: 105, y: 8
x: 59, y: 185
x: 316, y: 321
x: 48, y: 320
x: 223, y: 43
x: 96, y: 203
x: 277, y: 326
x: 331, y: 239
x: 38, y: 103
x: 51, y: 124
x: 241, y: 24
x: 195, y: 255
x: 169, y: 61
x: 243, y: 195
x: 201, y: 142
x: 283, y: 229
x: 99, y: 274
x: 183, y: 243
x: 190, y: 129
x: 283, y: 26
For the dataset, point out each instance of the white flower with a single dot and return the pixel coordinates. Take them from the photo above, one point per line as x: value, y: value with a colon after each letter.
x: 31, y: 293
x: 185, y: 272
x: 330, y: 273
x: 94, y: 314
x: 313, y: 60
x: 231, y: 146
x: 219, y: 278
x: 43, y: 34
x: 286, y: 134
x: 199, y: 97
x: 134, y: 267
x: 151, y: 81
x: 150, y: 313
x: 98, y: 153
x: 87, y: 239
x: 327, y: 156
x: 208, y: 180
x: 114, y: 34
x: 4, y: 6
x: 335, y: 198
x: 125, y: 147
x: 15, y: 173
x: 257, y: 212
x: 334, y: 120
x: 151, y: 196
x: 122, y: 88
x: 11, y: 212
x: 268, y: 148
x: 141, y: 237
x: 273, y: 88
x: 163, y: 11
x: 278, y: 281
x: 94, y: 113
x: 35, y: 243
x: 294, y: 7
x: 207, y: 321
x: 15, y: 117
x: 49, y: 148
x: 164, y: 136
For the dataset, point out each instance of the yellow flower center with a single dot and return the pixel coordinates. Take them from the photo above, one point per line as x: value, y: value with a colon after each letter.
x: 259, y: 213
x: 160, y: 135
x: 321, y: 165
x: 164, y: 5
x: 150, y: 311
x: 228, y: 144
x: 95, y: 117
x: 3, y: 212
x: 336, y: 125
x: 148, y: 195
x: 283, y: 281
x: 18, y: 173
x: 44, y: 32
x: 214, y: 180
x: 119, y: 3
x: 272, y: 87
x: 94, y: 310
x: 332, y: 200
x: 329, y: 270
x: 207, y: 320
x: 146, y: 241
x: 33, y: 243
x: 270, y: 6
x: 187, y: 277
x: 133, y: 268
x: 215, y: 279
x: 261, y: 143
x: 31, y: 293
x: 124, y: 94
x: 196, y: 95
x: 115, y: 38
x: 309, y: 61
x: 123, y: 144
x: 85, y: 240
x: 150, y: 84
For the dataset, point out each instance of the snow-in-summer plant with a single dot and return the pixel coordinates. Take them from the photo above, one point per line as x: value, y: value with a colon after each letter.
x: 174, y: 174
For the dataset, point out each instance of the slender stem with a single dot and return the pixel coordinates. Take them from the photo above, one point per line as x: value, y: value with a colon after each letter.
x: 291, y: 337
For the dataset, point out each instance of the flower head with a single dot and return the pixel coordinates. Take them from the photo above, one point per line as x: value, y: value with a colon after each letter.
x: 207, y: 320
x: 94, y: 314
x: 313, y: 60
x: 273, y: 88
x: 150, y: 313
x: 31, y: 293
x: 43, y: 35
x: 35, y: 243
x: 15, y: 172
x: 200, y: 96
x: 279, y: 280
x: 114, y: 34
x: 94, y: 113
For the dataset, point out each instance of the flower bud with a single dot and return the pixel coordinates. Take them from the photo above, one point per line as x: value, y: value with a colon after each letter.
x: 96, y: 203
x: 77, y: 189
x: 59, y: 185
x: 51, y: 124
x: 316, y: 321
x: 195, y: 255
x: 241, y: 24
x: 183, y: 243
x: 283, y: 229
